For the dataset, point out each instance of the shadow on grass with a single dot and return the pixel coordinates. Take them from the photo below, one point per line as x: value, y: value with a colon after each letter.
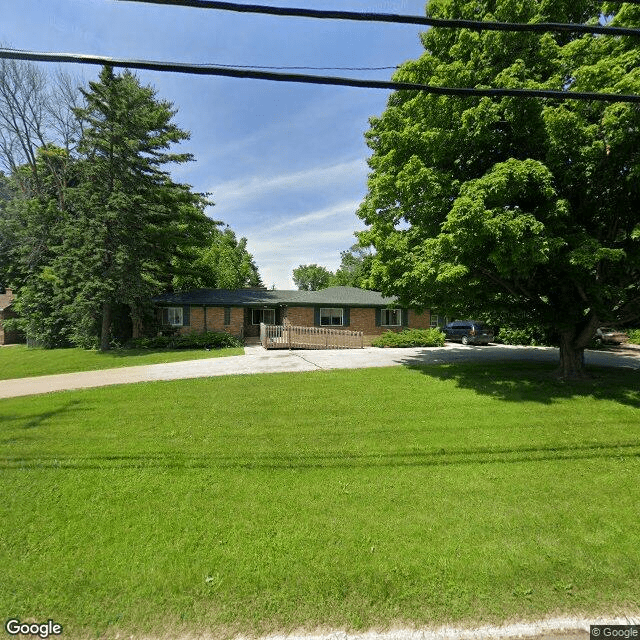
x: 433, y: 458
x: 534, y: 381
x: 31, y: 421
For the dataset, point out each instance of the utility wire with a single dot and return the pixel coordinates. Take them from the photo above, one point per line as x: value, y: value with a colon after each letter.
x: 310, y: 79
x: 476, y: 25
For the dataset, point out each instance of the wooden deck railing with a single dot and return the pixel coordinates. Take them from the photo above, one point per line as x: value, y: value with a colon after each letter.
x: 273, y: 336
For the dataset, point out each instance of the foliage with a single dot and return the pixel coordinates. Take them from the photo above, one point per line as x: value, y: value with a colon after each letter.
x: 206, y: 340
x: 354, y: 271
x: 634, y: 336
x: 410, y: 338
x: 223, y: 262
x: 355, y: 268
x: 166, y: 509
x: 528, y: 335
x: 490, y: 207
x: 91, y: 231
x: 312, y: 277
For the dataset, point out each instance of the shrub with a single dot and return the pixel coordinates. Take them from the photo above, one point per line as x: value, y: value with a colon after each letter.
x: 208, y: 340
x: 529, y: 336
x: 634, y: 336
x: 411, y: 338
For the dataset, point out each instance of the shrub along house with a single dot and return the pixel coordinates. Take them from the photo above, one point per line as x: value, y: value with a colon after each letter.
x: 240, y: 311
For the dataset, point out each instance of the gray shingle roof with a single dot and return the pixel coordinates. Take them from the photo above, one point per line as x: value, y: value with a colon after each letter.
x: 333, y: 296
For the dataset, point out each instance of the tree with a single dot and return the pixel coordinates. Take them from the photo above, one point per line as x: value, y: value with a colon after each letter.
x: 354, y: 269
x: 513, y: 207
x: 222, y: 263
x: 312, y: 277
x: 131, y: 217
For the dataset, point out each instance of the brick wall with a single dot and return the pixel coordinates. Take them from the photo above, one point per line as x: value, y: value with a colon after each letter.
x: 300, y: 316
x: 214, y: 320
x: 359, y: 320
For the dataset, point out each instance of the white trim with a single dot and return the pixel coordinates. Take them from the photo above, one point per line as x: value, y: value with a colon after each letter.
x: 262, y: 319
x: 332, y: 315
x: 177, y: 320
x: 384, y: 312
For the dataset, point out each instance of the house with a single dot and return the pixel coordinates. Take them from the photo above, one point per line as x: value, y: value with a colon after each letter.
x: 241, y: 311
x: 6, y: 312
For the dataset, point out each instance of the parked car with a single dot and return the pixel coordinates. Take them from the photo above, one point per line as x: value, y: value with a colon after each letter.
x: 468, y: 332
x: 607, y: 335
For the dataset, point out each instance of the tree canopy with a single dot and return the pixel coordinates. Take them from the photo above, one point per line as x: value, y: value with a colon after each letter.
x: 514, y: 209
x: 354, y: 271
x: 91, y: 233
x: 312, y: 277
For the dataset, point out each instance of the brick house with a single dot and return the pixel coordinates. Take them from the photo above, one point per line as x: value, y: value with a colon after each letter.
x: 6, y: 312
x: 241, y: 311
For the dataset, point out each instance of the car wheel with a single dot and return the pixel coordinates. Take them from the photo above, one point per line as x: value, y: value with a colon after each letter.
x: 465, y: 340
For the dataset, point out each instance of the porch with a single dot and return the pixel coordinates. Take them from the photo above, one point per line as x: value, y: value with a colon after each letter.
x: 293, y: 337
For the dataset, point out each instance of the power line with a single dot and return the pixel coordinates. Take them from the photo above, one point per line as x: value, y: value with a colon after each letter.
x: 260, y: 66
x: 178, y: 67
x: 476, y: 25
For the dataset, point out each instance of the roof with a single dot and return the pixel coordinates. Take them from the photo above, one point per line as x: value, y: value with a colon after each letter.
x: 333, y: 296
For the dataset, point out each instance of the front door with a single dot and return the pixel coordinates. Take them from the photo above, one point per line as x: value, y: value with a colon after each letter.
x: 255, y: 315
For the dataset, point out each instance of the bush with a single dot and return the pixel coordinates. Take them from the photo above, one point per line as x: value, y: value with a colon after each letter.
x: 411, y: 338
x: 209, y: 340
x: 634, y: 336
x: 527, y: 336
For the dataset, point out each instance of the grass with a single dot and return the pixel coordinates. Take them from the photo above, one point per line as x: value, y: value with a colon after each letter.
x: 335, y: 499
x: 19, y: 361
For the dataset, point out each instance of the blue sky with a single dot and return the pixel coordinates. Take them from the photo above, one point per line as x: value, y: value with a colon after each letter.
x: 285, y: 163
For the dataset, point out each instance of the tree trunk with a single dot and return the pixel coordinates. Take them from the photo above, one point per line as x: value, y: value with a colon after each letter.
x: 571, y: 358
x: 105, y: 334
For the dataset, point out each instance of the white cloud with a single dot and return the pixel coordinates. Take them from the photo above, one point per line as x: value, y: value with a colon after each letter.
x: 315, y: 237
x: 232, y: 193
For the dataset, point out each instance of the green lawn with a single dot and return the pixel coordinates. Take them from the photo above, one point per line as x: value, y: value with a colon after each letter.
x: 334, y: 499
x: 19, y: 361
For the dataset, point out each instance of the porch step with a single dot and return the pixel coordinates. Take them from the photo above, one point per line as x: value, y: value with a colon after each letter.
x: 252, y: 340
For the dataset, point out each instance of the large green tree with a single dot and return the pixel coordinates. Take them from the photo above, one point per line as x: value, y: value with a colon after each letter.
x: 223, y: 262
x: 354, y: 269
x: 132, y: 218
x: 312, y: 277
x: 513, y: 208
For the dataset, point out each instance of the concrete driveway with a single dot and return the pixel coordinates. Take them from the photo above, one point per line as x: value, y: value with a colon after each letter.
x: 259, y: 360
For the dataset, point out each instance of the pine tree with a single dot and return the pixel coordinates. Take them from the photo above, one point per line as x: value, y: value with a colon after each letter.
x: 131, y: 218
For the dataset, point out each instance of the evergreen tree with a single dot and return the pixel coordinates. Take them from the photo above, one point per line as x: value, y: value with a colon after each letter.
x: 131, y: 217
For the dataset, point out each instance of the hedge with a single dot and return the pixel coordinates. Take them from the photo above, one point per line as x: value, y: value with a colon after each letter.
x: 208, y: 340
x: 411, y: 338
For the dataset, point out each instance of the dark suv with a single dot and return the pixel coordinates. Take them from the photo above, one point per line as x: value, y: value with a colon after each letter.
x: 468, y: 332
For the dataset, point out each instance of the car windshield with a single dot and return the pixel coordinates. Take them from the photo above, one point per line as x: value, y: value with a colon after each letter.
x: 607, y: 330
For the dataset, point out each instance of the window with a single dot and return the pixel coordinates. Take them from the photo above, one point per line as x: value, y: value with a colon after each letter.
x: 268, y: 316
x: 437, y: 321
x: 331, y: 317
x: 391, y: 317
x: 227, y: 316
x: 172, y: 316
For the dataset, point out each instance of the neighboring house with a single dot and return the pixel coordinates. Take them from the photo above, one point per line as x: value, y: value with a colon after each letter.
x: 241, y: 311
x: 6, y: 312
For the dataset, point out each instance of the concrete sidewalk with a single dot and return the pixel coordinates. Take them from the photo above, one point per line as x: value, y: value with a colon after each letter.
x: 259, y: 360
